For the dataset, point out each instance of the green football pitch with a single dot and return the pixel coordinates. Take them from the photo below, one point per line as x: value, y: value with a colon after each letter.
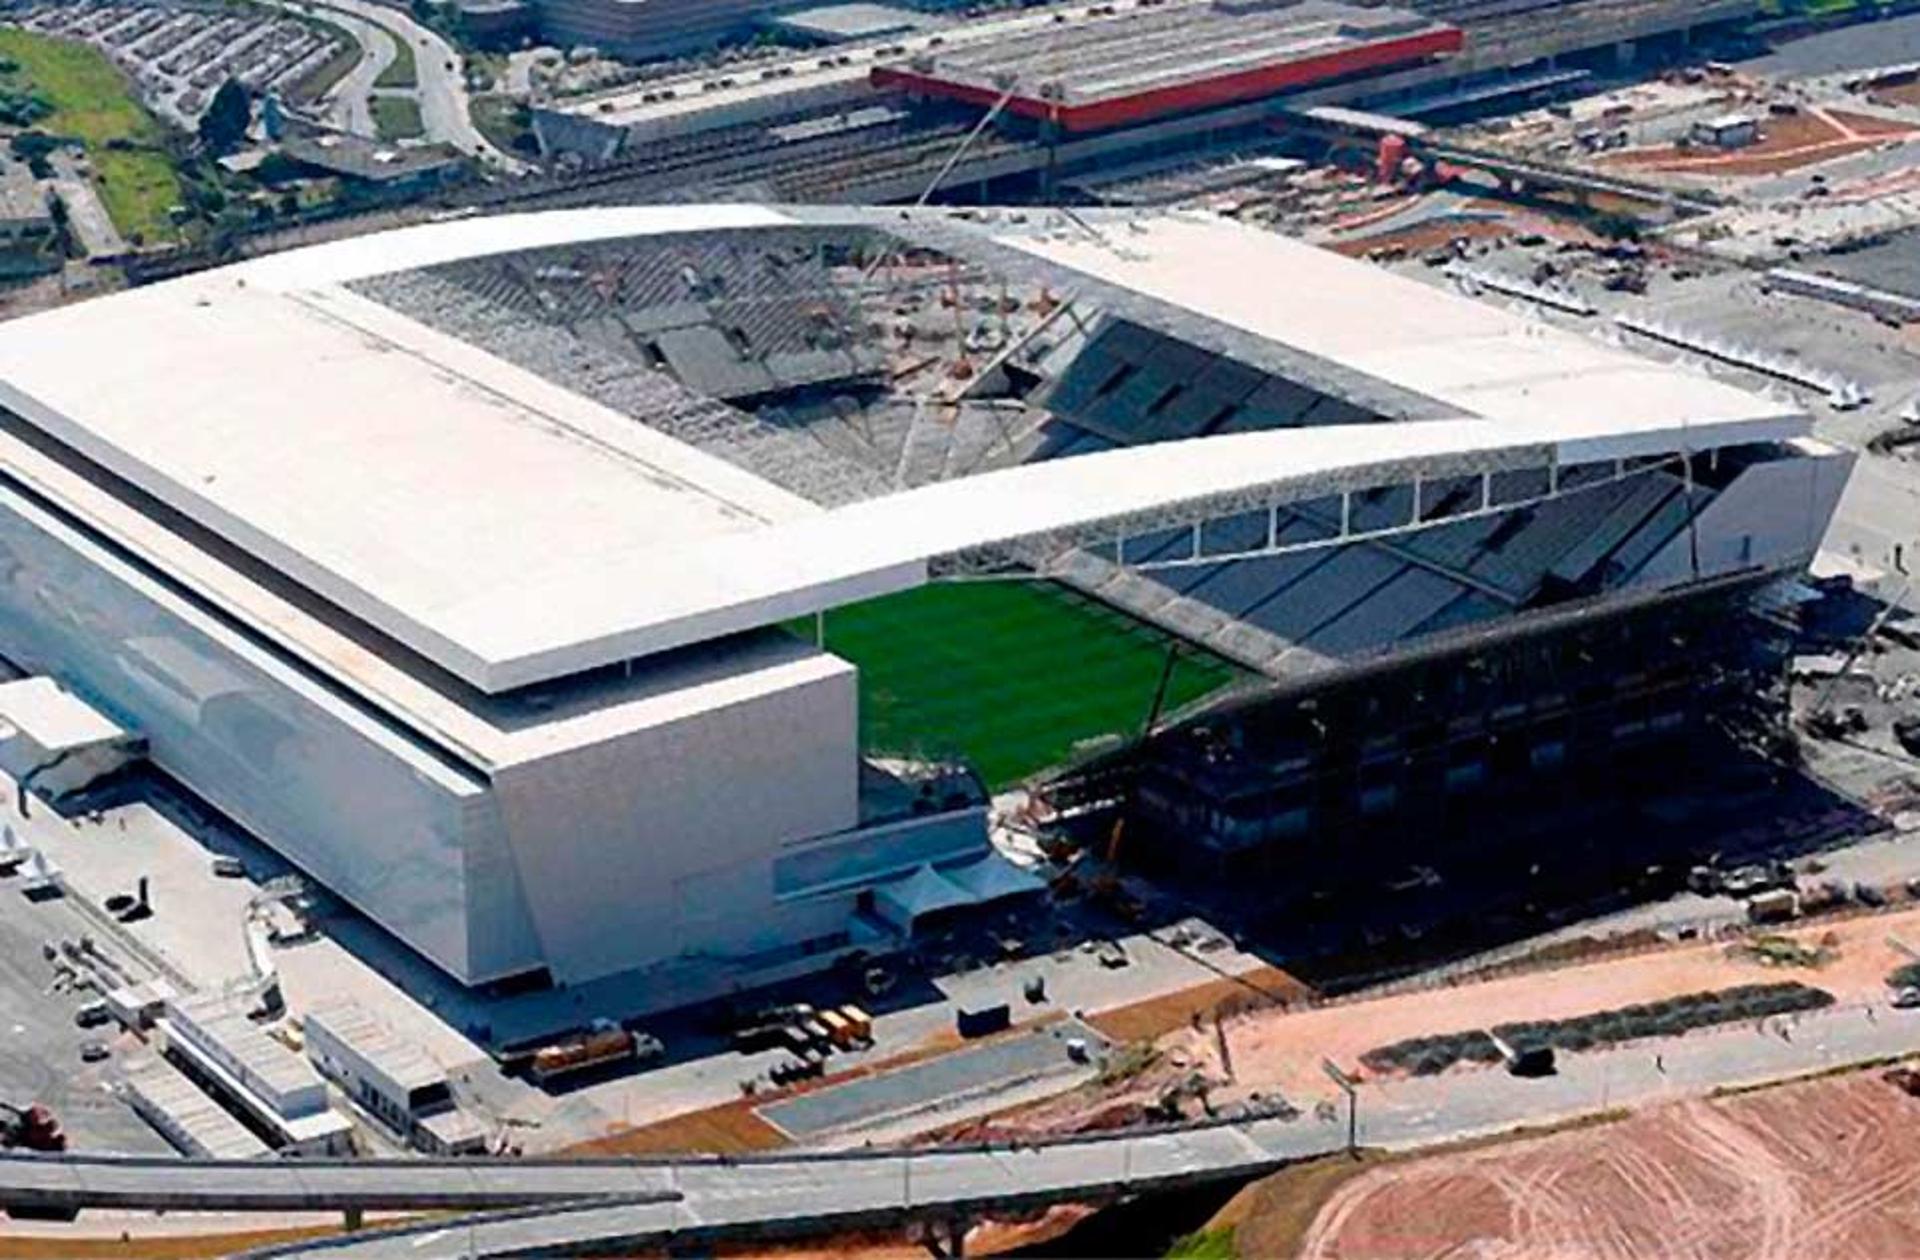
x: 1009, y: 675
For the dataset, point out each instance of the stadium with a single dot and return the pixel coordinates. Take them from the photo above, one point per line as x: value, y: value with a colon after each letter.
x: 667, y: 590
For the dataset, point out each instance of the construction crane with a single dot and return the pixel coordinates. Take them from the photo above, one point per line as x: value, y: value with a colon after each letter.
x: 1106, y: 885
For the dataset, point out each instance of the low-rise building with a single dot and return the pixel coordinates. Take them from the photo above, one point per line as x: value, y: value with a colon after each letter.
x: 185, y: 1115
x: 860, y: 19
x: 268, y: 1085
x: 56, y: 743
x: 25, y: 211
x: 1727, y: 131
x: 451, y: 1132
x: 393, y: 1079
x: 395, y: 170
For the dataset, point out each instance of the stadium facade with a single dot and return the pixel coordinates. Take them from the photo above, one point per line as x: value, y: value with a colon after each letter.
x: 461, y: 563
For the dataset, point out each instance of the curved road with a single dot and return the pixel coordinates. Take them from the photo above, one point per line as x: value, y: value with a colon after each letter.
x: 708, y: 1202
x: 641, y: 1203
x: 441, y: 71
x: 350, y: 103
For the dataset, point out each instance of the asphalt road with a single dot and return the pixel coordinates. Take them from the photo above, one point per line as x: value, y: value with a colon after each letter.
x: 39, y: 1042
x: 350, y: 105
x: 443, y: 86
x: 710, y: 1198
x: 442, y: 90
x: 1861, y: 46
x: 715, y: 1199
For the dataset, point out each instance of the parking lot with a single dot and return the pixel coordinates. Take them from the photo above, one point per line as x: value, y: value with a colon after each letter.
x: 178, y: 58
x: 996, y: 1065
x: 39, y: 1041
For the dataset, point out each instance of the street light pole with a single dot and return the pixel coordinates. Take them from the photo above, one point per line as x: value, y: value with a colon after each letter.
x: 1349, y: 1087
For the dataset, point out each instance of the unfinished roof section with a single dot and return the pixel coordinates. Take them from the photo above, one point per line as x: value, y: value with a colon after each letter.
x: 511, y: 531
x: 1473, y: 358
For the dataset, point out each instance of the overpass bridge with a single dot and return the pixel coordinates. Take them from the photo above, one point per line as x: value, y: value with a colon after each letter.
x: 1535, y: 173
x: 942, y: 1193
x: 581, y: 1206
x: 620, y: 1206
x: 1522, y: 173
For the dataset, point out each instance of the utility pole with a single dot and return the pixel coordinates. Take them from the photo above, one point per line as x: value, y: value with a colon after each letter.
x: 1349, y: 1087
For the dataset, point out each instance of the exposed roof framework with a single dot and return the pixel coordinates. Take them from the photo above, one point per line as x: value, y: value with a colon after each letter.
x: 512, y: 531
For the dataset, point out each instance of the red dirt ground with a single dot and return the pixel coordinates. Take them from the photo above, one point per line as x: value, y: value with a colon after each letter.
x: 1419, y: 240
x: 1904, y: 91
x: 1282, y: 1049
x: 1787, y: 143
x: 1826, y: 1168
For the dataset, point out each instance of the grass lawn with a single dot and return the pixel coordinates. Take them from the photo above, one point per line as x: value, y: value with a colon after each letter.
x: 401, y: 72
x: 139, y: 188
x: 93, y: 102
x: 1009, y: 675
x: 397, y: 118
x: 503, y: 121
x: 1207, y: 1244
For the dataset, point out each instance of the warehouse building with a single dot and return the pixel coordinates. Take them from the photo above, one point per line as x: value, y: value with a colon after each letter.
x: 500, y: 636
x: 185, y: 1115
x: 266, y: 1085
x: 1174, y: 58
x: 392, y: 1078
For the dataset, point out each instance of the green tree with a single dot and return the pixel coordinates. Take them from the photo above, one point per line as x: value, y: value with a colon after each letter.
x: 224, y: 125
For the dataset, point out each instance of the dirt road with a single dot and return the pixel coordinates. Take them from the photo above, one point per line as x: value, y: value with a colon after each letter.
x: 1826, y: 1168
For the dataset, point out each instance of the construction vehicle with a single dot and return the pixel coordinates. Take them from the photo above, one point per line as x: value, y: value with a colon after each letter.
x: 816, y: 1031
x: 839, y: 1028
x: 1776, y: 905
x: 766, y: 1027
x: 31, y: 1128
x: 800, y: 1067
x: 1755, y: 878
x: 602, y: 1044
x: 860, y: 1023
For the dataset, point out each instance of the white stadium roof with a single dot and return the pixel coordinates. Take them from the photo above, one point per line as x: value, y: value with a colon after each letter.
x: 512, y: 531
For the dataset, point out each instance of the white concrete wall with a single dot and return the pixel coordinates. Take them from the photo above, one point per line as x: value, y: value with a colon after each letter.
x: 1773, y: 515
x: 358, y: 804
x: 660, y: 843
x: 650, y: 845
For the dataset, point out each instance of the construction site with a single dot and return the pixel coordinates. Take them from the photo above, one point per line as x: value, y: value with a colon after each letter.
x: 1223, y: 582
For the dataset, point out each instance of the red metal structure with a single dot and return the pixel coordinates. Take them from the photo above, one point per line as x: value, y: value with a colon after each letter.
x: 1095, y: 109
